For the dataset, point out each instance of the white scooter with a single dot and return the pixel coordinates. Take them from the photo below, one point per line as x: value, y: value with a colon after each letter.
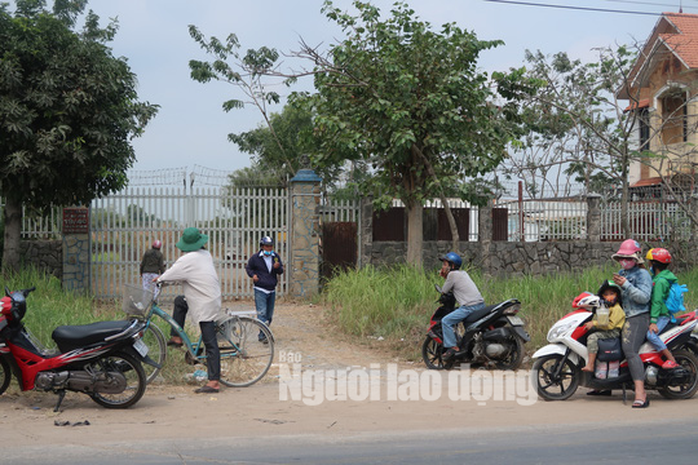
x: 557, y: 368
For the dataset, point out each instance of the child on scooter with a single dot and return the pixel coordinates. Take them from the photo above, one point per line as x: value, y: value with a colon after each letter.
x: 662, y: 279
x: 610, y: 294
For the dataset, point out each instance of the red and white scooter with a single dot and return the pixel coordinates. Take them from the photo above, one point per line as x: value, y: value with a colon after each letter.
x: 557, y: 368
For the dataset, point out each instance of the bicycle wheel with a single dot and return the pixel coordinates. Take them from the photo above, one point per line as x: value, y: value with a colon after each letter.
x: 247, y: 350
x: 157, y: 351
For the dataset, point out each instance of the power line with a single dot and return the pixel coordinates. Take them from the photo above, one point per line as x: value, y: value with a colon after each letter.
x: 579, y: 8
x: 636, y: 2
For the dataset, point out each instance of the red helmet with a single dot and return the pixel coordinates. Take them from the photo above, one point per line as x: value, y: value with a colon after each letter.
x: 157, y: 244
x: 660, y: 255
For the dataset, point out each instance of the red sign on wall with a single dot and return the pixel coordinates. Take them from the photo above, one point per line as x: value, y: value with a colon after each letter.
x: 76, y: 221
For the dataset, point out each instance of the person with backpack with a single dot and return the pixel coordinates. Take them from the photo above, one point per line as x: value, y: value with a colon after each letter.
x: 660, y: 316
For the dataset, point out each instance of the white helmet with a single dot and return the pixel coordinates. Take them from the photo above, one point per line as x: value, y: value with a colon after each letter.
x: 587, y: 301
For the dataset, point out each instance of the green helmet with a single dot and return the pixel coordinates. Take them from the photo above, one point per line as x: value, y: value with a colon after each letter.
x: 606, y: 285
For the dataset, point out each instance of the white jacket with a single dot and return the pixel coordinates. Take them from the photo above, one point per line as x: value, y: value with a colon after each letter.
x: 199, y: 280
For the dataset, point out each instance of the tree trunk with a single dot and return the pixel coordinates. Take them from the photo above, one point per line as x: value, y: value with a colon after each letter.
x: 415, y: 233
x: 455, y: 238
x: 13, y: 228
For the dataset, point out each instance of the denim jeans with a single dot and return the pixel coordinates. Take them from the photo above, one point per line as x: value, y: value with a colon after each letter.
x: 264, y: 304
x: 455, y: 317
x: 653, y: 338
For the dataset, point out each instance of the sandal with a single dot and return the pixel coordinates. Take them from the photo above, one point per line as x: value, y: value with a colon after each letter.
x: 173, y: 343
x: 641, y: 404
x: 669, y: 365
x: 449, y: 354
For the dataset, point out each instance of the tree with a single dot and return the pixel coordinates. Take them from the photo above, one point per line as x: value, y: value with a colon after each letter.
x: 68, y: 111
x: 412, y: 104
x: 588, y: 117
x: 245, y: 72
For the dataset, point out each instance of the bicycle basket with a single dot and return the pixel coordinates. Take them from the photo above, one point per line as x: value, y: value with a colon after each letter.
x: 136, y: 300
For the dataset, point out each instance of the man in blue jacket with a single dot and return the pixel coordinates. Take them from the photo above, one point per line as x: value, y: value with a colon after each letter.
x: 264, y: 267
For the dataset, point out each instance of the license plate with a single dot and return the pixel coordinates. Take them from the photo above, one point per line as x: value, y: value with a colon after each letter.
x: 515, y: 320
x: 141, y: 348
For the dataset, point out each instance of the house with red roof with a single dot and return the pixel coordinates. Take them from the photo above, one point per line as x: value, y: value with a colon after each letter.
x: 663, y: 89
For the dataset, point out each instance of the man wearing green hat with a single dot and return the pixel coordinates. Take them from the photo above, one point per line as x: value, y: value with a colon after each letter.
x: 195, y: 271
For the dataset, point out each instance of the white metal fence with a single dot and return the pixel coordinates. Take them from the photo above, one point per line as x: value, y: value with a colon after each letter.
x: 124, y: 225
x: 563, y: 220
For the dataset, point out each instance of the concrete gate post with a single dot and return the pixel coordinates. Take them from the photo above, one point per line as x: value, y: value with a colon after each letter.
x: 304, y: 280
x: 594, y: 218
x: 76, y: 249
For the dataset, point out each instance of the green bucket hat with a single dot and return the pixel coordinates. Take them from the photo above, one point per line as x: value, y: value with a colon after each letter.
x: 191, y: 240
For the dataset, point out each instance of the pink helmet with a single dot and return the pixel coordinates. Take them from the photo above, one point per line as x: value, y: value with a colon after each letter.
x: 157, y: 244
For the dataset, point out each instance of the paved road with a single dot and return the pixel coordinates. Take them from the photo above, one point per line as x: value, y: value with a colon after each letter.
x: 643, y: 442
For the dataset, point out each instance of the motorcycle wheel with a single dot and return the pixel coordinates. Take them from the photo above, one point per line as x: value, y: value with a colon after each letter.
x: 431, y: 353
x: 552, y: 386
x: 689, y: 362
x: 515, y: 357
x: 135, y: 380
x: 5, y: 375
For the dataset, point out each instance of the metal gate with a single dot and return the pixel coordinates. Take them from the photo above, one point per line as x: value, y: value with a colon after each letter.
x: 124, y: 225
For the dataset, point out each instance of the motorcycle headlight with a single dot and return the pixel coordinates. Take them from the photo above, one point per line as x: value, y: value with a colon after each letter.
x: 561, y: 330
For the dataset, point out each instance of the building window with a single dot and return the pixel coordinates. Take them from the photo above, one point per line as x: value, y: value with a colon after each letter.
x: 674, y: 119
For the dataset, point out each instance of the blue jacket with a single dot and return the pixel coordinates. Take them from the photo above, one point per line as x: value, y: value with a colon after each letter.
x: 257, y: 266
x: 637, y: 291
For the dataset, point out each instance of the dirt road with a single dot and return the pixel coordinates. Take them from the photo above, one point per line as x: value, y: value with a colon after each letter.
x: 372, y: 392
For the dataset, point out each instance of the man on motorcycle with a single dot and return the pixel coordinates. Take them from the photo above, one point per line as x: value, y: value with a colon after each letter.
x: 467, y: 295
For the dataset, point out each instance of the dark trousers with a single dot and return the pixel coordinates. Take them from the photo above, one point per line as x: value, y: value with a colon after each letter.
x: 208, y: 334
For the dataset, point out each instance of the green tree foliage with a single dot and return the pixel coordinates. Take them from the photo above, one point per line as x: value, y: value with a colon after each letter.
x: 68, y: 111
x: 412, y: 103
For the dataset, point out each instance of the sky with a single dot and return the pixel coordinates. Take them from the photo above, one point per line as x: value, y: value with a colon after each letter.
x: 191, y: 127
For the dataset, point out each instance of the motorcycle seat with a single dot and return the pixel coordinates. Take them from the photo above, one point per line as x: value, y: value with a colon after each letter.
x: 473, y: 317
x: 73, y: 337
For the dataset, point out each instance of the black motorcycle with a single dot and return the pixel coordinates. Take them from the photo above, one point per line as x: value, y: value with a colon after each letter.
x: 493, y: 337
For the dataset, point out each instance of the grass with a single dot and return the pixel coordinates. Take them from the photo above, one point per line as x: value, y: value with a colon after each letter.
x: 390, y: 303
x: 395, y: 304
x: 50, y: 306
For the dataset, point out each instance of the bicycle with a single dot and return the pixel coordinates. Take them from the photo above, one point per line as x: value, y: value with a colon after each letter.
x: 246, y: 344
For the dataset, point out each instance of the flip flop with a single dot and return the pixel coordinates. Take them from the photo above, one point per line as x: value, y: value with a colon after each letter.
x: 172, y: 343
x: 206, y: 390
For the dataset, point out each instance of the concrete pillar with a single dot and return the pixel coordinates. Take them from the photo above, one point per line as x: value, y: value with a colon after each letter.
x: 485, y: 236
x: 365, y: 231
x: 76, y: 249
x: 593, y: 218
x: 304, y: 280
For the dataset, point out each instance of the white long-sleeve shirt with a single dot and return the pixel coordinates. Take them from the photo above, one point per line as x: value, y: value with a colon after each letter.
x: 199, y: 280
